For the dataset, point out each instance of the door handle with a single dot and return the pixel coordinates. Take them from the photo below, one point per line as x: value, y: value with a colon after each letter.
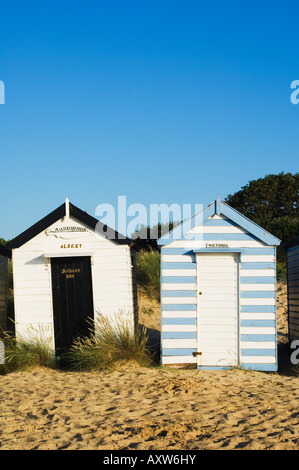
x: 200, y: 293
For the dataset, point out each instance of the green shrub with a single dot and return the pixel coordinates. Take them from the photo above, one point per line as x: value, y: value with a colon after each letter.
x: 281, y: 272
x: 109, y: 344
x: 34, y: 350
x: 148, y: 272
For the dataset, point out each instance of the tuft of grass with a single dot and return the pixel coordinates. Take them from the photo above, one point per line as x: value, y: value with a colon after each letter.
x: 33, y: 350
x: 110, y: 343
x: 281, y: 272
x: 148, y: 311
x: 148, y: 272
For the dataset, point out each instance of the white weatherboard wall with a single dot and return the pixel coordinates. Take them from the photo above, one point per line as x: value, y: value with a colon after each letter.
x: 112, y: 279
x: 254, y: 332
x: 3, y: 291
x: 293, y: 289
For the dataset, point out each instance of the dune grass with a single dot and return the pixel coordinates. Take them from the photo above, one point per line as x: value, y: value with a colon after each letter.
x: 32, y: 350
x: 281, y: 272
x: 109, y: 344
x: 148, y: 272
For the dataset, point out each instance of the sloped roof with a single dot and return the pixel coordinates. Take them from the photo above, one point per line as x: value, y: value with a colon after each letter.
x: 221, y: 208
x: 59, y: 213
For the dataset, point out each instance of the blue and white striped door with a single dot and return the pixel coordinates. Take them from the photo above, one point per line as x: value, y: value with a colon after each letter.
x: 218, y: 309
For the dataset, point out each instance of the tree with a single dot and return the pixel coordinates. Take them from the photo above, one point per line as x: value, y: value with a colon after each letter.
x: 273, y: 203
x: 146, y: 237
x: 268, y: 198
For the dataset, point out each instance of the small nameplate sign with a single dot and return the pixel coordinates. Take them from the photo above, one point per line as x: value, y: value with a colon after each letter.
x: 67, y: 232
x: 70, y: 273
x: 78, y: 245
x: 216, y: 245
x: 66, y: 229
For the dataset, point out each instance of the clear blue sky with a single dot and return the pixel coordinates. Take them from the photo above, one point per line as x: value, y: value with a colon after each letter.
x: 164, y: 101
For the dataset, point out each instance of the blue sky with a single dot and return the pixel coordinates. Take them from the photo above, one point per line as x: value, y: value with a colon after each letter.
x: 161, y: 101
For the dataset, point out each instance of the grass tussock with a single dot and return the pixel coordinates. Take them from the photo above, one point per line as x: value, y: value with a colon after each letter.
x: 148, y: 272
x: 33, y: 350
x: 281, y: 272
x: 110, y: 343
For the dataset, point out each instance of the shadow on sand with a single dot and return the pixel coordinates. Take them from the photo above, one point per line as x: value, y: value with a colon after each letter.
x: 153, y: 342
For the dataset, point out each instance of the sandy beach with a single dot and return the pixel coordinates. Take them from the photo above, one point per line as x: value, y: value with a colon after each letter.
x: 138, y: 408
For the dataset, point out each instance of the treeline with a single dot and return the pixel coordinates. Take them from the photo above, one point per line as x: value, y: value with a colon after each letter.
x: 273, y: 203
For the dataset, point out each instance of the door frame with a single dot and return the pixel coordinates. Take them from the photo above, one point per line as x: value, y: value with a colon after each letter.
x: 220, y: 252
x: 48, y: 258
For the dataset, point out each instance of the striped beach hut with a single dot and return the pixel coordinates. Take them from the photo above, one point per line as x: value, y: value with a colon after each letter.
x: 4, y: 255
x: 292, y: 251
x: 218, y: 292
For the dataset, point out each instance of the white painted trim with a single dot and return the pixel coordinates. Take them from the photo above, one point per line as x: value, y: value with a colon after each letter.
x: 257, y: 272
x: 179, y: 328
x: 255, y: 345
x: 248, y: 330
x: 257, y: 287
x: 258, y: 359
x: 179, y: 343
x: 178, y: 300
x: 257, y: 301
x: 178, y: 272
x: 175, y: 287
x: 178, y: 314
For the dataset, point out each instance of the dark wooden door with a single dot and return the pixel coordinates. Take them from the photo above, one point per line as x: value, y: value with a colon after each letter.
x: 72, y: 299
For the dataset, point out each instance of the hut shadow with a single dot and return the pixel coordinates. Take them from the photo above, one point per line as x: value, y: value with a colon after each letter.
x: 37, y: 260
x: 285, y: 367
x: 153, y: 342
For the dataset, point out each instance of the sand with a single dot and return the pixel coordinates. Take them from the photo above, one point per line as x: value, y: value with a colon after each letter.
x: 136, y: 408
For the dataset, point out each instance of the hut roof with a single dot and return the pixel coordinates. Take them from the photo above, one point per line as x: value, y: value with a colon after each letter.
x: 59, y: 213
x: 219, y: 207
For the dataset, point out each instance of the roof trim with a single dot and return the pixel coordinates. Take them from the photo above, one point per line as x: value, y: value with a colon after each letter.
x: 5, y: 251
x: 218, y: 207
x: 59, y: 213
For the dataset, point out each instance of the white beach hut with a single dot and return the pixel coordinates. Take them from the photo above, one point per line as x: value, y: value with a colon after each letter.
x: 218, y: 292
x: 4, y: 255
x: 68, y: 268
